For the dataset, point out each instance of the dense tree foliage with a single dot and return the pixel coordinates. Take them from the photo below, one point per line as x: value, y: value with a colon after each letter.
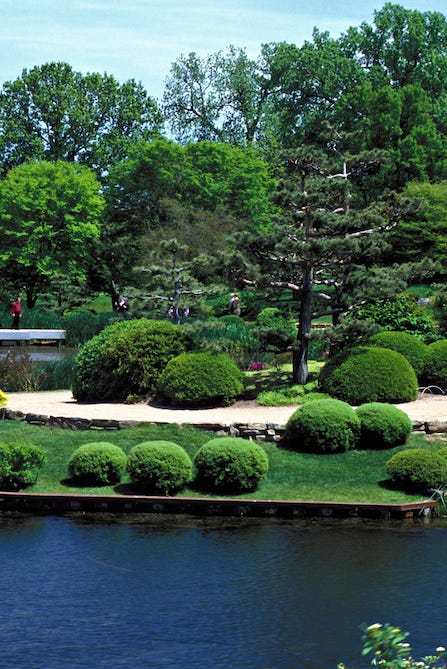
x: 54, y: 113
x: 50, y: 216
x: 165, y: 190
x: 321, y: 248
x: 361, y: 120
x: 223, y: 98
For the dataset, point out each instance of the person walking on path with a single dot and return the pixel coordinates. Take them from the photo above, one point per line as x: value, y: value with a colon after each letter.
x: 16, y: 313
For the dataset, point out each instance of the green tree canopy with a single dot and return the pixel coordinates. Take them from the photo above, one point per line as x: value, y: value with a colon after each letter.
x: 165, y: 190
x: 424, y: 235
x: 223, y: 98
x: 54, y: 113
x: 50, y: 217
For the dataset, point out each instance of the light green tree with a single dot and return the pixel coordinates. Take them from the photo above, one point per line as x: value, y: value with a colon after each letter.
x: 50, y: 215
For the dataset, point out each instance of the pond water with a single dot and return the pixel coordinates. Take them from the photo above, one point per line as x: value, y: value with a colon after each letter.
x: 187, y: 593
x: 39, y: 353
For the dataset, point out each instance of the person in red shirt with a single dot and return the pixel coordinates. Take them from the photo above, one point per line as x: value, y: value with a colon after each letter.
x: 16, y: 312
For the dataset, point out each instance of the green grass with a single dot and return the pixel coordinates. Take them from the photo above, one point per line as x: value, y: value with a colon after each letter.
x: 275, y: 378
x: 356, y: 476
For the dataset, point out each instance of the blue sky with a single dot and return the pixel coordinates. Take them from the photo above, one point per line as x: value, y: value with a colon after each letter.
x: 139, y: 39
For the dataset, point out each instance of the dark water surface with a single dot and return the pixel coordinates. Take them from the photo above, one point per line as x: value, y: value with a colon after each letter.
x: 93, y: 592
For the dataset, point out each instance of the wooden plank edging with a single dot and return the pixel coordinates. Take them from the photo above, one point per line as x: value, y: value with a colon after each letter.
x: 204, y: 506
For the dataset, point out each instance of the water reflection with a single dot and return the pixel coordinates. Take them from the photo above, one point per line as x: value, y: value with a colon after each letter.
x: 38, y: 353
x: 221, y: 593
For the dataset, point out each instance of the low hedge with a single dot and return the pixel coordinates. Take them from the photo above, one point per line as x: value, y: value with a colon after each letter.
x: 369, y: 374
x: 97, y: 463
x: 382, y: 425
x: 417, y: 470
x: 201, y: 379
x: 159, y: 467
x: 230, y: 465
x: 322, y: 426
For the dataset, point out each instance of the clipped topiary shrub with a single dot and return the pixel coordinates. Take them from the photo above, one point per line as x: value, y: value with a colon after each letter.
x: 126, y: 358
x: 159, y: 467
x: 201, y: 379
x: 417, y: 469
x: 97, y: 463
x: 369, y: 374
x: 410, y: 346
x: 19, y: 465
x: 230, y: 465
x: 382, y: 425
x: 322, y: 426
x: 435, y: 365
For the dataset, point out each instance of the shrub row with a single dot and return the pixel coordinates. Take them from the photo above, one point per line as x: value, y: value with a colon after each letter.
x: 333, y: 426
x: 226, y: 465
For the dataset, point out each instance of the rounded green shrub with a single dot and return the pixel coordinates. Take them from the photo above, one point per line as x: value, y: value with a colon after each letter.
x: 159, y: 467
x: 417, y: 469
x: 435, y: 365
x: 230, y: 465
x: 382, y: 425
x: 410, y: 346
x: 201, y: 379
x: 19, y: 465
x: 97, y: 463
x: 369, y: 374
x: 322, y: 426
x: 125, y: 358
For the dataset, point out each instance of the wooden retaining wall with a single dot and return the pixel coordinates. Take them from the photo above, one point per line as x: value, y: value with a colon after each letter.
x: 64, y: 503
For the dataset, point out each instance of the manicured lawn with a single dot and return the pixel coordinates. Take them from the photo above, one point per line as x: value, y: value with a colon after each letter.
x: 356, y: 476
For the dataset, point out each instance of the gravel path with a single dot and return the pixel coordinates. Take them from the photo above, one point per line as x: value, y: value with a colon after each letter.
x: 60, y: 403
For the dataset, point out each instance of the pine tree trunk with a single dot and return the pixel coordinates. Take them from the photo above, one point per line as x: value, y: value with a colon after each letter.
x: 301, y: 351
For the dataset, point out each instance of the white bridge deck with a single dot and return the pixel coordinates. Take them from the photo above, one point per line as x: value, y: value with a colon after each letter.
x: 31, y: 335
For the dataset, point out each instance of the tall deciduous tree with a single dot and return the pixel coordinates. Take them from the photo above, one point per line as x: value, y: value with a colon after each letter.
x: 50, y: 217
x: 54, y: 113
x: 223, y: 98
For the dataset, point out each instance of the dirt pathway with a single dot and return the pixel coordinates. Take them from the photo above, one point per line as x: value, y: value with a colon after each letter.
x: 60, y: 403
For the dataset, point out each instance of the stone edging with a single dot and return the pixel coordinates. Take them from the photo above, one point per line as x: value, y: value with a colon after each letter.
x: 257, y: 431
x: 268, y: 432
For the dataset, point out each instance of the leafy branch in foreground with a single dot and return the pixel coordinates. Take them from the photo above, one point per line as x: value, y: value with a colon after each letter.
x: 389, y: 649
